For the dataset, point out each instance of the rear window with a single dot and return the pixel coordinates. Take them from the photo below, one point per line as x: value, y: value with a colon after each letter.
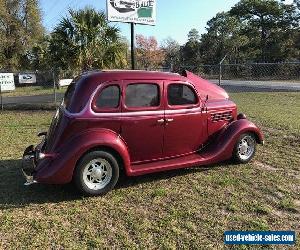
x: 69, y: 94
x: 109, y: 97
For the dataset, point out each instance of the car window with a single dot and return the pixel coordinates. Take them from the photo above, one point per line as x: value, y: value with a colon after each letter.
x: 142, y: 95
x: 109, y: 97
x: 181, y: 94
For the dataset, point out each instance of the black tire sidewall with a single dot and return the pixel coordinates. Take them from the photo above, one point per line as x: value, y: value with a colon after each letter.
x: 78, y: 173
x: 236, y: 156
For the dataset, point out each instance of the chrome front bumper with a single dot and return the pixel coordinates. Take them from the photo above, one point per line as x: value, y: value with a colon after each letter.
x: 28, y: 165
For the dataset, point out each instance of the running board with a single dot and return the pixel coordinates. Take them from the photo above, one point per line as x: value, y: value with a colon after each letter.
x: 174, y: 163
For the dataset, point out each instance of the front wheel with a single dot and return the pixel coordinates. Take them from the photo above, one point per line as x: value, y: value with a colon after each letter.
x: 96, y: 173
x: 245, y: 148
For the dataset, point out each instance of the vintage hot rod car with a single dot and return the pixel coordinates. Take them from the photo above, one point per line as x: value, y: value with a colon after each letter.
x: 141, y: 122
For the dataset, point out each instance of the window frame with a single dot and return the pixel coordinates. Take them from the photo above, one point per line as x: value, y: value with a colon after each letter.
x: 135, y: 82
x: 97, y: 95
x: 182, y: 106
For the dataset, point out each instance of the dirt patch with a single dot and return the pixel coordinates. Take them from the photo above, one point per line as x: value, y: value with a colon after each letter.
x: 278, y: 213
x: 266, y: 166
x: 297, y: 203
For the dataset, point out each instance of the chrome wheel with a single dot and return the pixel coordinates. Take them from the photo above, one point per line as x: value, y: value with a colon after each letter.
x: 246, y: 147
x: 97, y: 174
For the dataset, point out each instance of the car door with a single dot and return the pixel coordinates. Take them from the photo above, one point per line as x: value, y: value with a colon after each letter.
x: 185, y: 124
x: 142, y: 124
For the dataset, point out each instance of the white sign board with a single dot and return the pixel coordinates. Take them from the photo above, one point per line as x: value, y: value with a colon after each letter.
x: 64, y: 82
x: 7, y: 82
x: 25, y: 78
x: 132, y: 11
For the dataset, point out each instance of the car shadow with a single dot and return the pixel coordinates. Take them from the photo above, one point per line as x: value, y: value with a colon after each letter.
x: 13, y: 193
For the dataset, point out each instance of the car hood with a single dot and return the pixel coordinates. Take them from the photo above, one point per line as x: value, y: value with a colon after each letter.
x: 206, y: 88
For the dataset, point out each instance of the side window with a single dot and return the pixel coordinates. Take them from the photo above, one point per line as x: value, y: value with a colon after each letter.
x: 181, y: 94
x: 142, y: 95
x: 109, y: 97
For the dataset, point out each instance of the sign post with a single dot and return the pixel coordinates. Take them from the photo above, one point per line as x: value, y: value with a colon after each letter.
x: 7, y: 83
x: 133, y: 12
x: 132, y: 47
x: 1, y: 97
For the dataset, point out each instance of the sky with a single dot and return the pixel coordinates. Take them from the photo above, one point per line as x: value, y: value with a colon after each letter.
x: 175, y: 18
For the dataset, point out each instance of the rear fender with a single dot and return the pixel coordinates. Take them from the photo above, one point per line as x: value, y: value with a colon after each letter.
x: 222, y: 146
x: 61, y: 168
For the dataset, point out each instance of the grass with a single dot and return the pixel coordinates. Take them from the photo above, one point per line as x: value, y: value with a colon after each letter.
x: 33, y: 90
x: 187, y: 209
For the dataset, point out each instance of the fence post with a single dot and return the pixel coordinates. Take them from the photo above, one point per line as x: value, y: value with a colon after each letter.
x: 54, y: 86
x: 220, y: 73
x: 220, y: 69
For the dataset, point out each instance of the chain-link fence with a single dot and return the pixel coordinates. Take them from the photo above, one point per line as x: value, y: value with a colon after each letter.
x: 33, y: 89
x: 253, y: 76
x: 253, y: 71
x: 45, y: 89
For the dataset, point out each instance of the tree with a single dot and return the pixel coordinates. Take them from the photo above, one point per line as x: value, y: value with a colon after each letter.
x: 223, y: 38
x: 20, y: 28
x: 193, y: 35
x: 171, y: 49
x: 269, y: 25
x: 84, y: 41
x: 148, y: 53
x: 190, y: 52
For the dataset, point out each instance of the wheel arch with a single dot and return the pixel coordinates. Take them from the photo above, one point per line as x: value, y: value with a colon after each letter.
x: 107, y: 149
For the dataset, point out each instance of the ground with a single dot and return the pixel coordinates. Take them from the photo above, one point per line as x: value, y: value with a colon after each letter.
x: 189, y: 208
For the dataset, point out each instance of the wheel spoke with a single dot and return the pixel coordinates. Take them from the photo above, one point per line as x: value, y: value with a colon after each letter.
x: 97, y: 174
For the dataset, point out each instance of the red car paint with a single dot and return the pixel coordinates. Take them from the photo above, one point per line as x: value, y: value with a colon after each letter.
x: 190, y: 135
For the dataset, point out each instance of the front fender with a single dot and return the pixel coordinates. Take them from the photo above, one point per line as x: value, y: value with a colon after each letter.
x: 222, y: 146
x: 60, y: 169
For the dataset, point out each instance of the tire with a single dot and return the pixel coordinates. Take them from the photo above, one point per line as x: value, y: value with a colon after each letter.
x: 96, y: 173
x: 245, y: 148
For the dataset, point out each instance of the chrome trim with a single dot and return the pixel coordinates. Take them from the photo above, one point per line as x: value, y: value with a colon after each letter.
x: 29, y: 179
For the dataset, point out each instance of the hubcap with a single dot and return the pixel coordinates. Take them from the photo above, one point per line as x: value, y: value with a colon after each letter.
x: 246, y: 147
x: 97, y: 174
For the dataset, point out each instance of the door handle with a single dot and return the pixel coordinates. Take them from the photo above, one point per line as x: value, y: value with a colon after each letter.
x: 161, y: 121
x: 169, y: 120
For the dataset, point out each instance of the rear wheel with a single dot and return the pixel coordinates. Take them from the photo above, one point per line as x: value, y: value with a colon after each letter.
x: 245, y: 148
x: 96, y: 173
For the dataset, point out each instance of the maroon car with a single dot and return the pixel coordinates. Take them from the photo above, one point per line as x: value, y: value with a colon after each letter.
x: 141, y: 122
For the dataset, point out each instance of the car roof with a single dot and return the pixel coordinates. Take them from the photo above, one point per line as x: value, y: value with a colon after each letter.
x: 113, y: 75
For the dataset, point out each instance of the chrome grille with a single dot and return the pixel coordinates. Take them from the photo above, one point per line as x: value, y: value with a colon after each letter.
x: 222, y: 116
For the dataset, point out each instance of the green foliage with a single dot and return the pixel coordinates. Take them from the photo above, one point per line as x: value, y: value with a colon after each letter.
x: 20, y: 28
x: 84, y: 40
x: 171, y: 49
x: 190, y: 52
x: 252, y: 31
x: 270, y: 27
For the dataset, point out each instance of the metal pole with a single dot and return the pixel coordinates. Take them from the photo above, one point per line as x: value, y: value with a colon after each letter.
x: 132, y: 46
x: 1, y: 98
x: 54, y: 87
x: 220, y: 73
x: 220, y: 69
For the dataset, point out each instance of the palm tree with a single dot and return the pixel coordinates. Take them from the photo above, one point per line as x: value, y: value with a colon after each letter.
x: 85, y: 41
